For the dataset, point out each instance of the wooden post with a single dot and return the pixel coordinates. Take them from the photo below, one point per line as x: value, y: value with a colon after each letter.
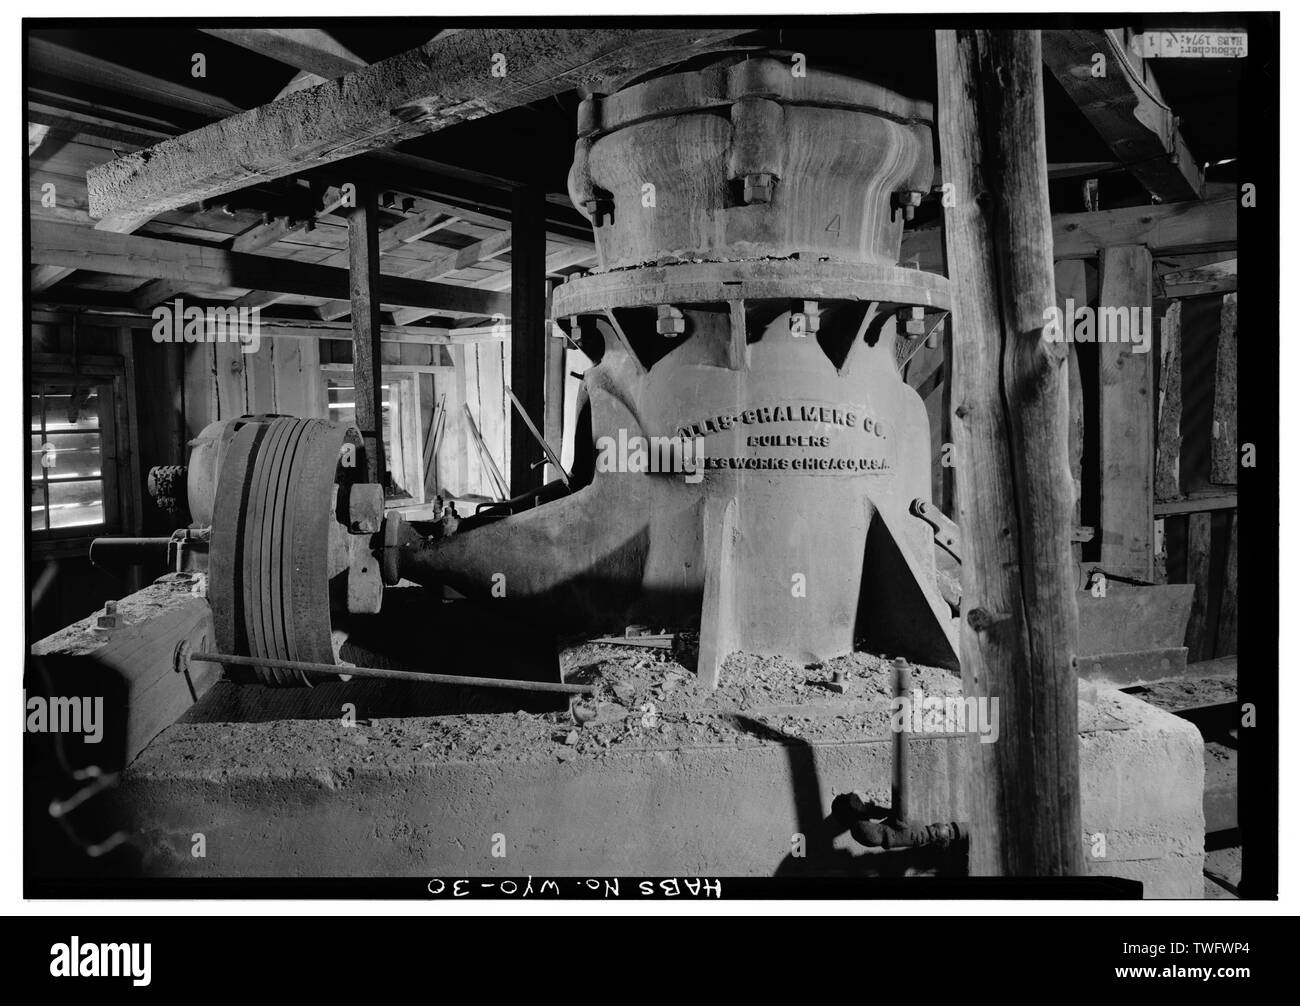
x: 1200, y: 645
x: 1169, y: 423
x: 556, y: 379
x: 527, y: 333
x: 1071, y: 285
x: 1223, y: 443
x: 1011, y: 430
x: 367, y: 376
x: 1126, y: 418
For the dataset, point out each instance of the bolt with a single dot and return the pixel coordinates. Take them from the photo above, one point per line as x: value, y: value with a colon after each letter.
x: 598, y: 209
x: 914, y: 321
x: 110, y: 619
x: 759, y: 187
x: 671, y: 322
x: 906, y: 201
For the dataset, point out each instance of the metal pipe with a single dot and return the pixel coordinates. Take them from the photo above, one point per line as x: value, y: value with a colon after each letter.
x: 129, y: 551
x: 902, y: 760
x: 392, y: 675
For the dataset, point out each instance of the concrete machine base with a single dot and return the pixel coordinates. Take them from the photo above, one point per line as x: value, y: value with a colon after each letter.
x: 663, y: 782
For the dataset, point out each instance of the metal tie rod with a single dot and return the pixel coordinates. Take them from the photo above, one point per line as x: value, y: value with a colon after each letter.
x: 392, y: 675
x: 546, y: 448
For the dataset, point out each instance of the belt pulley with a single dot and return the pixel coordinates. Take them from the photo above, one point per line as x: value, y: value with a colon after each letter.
x: 276, y: 537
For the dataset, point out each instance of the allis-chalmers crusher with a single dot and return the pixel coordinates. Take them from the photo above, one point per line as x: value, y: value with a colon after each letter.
x: 747, y: 312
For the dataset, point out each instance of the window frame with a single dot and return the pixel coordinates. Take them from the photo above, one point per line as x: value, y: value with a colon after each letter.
x: 109, y: 375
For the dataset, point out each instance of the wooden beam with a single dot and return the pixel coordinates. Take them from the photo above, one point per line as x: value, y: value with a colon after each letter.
x: 1010, y: 425
x: 367, y: 376
x: 307, y: 49
x: 464, y: 258
x: 410, y: 334
x: 46, y: 274
x: 527, y: 335
x: 1127, y: 422
x: 1126, y: 109
x: 1171, y: 229
x: 155, y: 292
x: 390, y: 238
x: 300, y: 328
x: 266, y: 234
x: 1200, y: 502
x: 1223, y: 441
x: 44, y: 57
x: 1199, y: 281
x: 439, y: 84
x: 460, y: 258
x: 130, y: 255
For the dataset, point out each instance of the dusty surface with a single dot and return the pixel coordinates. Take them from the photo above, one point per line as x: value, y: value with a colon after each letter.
x: 1187, y: 693
x: 643, y: 699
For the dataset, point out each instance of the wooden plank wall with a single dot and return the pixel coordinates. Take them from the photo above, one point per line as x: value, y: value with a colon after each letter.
x: 284, y: 376
x: 222, y: 382
x: 1196, y: 465
x: 1157, y: 496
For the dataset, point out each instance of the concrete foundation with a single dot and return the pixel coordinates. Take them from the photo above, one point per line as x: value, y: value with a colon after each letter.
x: 723, y: 789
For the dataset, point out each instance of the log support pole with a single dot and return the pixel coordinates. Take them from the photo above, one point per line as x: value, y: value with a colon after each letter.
x: 1011, y: 429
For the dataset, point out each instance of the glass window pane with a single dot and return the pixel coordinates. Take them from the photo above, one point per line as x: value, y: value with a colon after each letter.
x: 73, y: 504
x: 67, y: 455
x: 38, y: 470
x: 38, y: 507
x: 65, y: 410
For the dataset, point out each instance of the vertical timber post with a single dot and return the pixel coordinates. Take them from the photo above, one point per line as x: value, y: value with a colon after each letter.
x: 556, y: 378
x: 527, y: 333
x: 1010, y: 423
x: 363, y: 285
x: 1126, y: 419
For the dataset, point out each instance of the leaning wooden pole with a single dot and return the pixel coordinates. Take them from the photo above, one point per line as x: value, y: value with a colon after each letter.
x: 1010, y: 418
